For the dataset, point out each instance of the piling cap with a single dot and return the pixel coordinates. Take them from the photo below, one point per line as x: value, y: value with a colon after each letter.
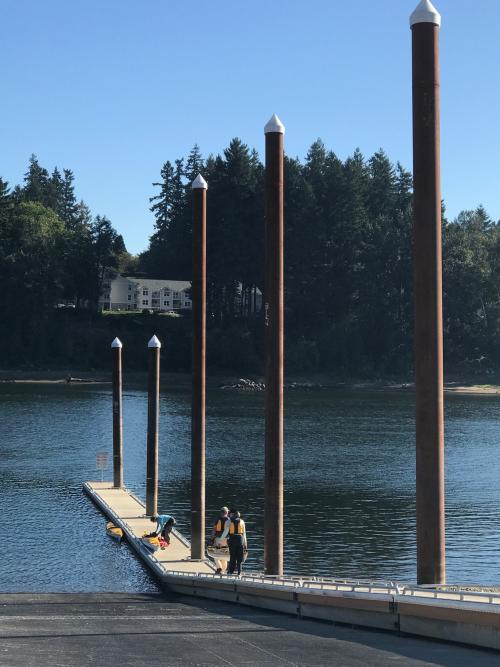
x: 116, y: 343
x: 274, y: 125
x: 154, y: 342
x: 425, y: 13
x: 199, y: 183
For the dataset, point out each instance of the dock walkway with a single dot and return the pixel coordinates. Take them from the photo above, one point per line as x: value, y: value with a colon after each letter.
x: 125, y: 510
x: 458, y: 615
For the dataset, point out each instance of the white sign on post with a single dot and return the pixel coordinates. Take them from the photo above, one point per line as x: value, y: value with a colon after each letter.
x: 101, y: 461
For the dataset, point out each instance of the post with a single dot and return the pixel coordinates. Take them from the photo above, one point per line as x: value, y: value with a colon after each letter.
x: 273, y: 322
x: 199, y: 358
x: 154, y: 346
x: 116, y: 346
x: 425, y: 23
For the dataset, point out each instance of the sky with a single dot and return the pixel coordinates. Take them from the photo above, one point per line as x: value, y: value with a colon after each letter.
x: 113, y: 88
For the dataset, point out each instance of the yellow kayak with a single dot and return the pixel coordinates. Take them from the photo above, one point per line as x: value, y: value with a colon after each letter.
x: 113, y: 531
x: 152, y: 543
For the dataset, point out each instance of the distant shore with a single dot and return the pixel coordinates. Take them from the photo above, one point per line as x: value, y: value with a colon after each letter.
x: 476, y: 386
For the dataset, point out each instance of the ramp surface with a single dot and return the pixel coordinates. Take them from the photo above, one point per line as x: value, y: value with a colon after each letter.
x: 131, y: 629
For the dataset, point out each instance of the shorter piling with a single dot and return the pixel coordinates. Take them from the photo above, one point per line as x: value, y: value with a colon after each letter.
x: 154, y: 346
x: 116, y: 346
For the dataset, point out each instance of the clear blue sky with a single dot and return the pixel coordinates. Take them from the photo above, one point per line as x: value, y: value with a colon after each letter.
x: 113, y: 88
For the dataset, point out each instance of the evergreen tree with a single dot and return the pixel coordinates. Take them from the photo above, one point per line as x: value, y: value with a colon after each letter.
x: 69, y: 206
x: 36, y: 183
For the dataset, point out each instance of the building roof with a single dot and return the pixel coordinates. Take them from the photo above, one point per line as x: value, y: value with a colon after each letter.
x: 156, y: 285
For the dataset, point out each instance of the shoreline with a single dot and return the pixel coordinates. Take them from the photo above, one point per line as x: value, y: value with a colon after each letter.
x: 476, y: 386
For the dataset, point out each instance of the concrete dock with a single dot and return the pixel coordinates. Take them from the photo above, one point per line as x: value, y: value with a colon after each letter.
x: 469, y: 617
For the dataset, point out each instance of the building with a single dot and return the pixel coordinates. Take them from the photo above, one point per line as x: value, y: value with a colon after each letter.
x: 131, y: 293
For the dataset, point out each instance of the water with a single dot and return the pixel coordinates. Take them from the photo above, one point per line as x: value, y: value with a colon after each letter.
x: 349, y: 469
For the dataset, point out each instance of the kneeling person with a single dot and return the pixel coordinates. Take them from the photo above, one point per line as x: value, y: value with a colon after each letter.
x: 164, y: 526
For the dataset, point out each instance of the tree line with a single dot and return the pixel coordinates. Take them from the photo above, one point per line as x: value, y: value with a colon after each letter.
x: 348, y: 262
x: 348, y: 267
x: 52, y: 250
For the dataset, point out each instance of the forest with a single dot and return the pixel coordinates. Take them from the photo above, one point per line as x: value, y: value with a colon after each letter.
x: 348, y: 268
x: 348, y: 262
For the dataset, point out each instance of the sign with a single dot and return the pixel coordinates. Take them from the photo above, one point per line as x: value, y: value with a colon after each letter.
x: 101, y: 460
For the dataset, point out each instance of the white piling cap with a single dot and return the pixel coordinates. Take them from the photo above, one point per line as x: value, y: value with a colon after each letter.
x: 425, y: 13
x: 154, y: 342
x: 199, y: 183
x: 116, y: 343
x: 274, y: 125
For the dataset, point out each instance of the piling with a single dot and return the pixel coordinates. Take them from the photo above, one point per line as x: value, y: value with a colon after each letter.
x: 116, y: 347
x: 198, y: 295
x: 154, y: 346
x: 273, y: 323
x: 425, y: 25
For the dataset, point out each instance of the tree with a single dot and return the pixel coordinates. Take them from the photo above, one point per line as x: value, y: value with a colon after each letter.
x: 36, y: 183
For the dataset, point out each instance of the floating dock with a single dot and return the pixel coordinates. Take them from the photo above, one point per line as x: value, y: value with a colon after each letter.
x: 449, y: 613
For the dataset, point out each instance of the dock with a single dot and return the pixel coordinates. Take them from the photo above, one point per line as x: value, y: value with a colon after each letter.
x: 125, y: 510
x: 447, y: 613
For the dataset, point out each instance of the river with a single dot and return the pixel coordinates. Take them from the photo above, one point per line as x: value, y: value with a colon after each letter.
x: 349, y: 472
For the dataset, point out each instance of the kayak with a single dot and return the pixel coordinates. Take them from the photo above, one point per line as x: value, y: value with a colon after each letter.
x: 222, y: 553
x: 113, y: 531
x: 153, y: 543
x: 218, y: 552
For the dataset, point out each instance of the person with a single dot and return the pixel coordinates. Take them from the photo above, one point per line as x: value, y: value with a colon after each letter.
x: 216, y: 538
x: 164, y: 526
x: 236, y: 535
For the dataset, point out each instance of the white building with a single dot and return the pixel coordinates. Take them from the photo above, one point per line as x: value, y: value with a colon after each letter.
x: 130, y: 293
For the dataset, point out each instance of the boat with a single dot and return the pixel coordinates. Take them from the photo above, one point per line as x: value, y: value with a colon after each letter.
x: 114, y: 532
x: 154, y: 543
x: 218, y: 552
x: 151, y: 543
x: 222, y: 553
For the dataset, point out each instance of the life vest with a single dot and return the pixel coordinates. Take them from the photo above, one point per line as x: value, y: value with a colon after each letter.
x: 237, y: 527
x: 219, y: 525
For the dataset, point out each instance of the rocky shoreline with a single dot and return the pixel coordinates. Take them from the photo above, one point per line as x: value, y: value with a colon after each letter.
x: 244, y: 384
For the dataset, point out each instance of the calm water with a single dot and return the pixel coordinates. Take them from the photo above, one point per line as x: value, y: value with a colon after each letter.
x: 349, y: 482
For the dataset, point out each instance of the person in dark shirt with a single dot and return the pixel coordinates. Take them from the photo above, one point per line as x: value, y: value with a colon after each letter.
x: 236, y: 535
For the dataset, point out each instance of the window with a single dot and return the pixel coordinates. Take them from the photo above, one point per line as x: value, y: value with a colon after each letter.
x: 166, y: 291
x: 145, y: 302
x: 176, y: 295
x: 187, y: 303
x: 106, y: 296
x: 145, y: 292
x: 130, y: 288
x: 166, y: 303
x: 129, y: 297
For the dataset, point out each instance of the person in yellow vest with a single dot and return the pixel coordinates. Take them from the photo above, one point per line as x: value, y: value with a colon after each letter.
x: 236, y: 535
x: 217, y: 540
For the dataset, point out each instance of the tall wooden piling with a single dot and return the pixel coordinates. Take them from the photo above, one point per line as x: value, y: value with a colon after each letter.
x: 425, y: 25
x: 154, y: 346
x: 199, y: 290
x: 273, y: 321
x: 116, y: 347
